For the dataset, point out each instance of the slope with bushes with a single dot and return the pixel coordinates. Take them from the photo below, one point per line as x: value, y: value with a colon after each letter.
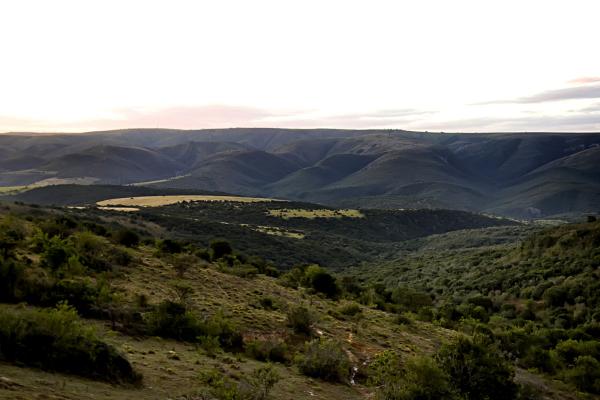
x: 537, y: 297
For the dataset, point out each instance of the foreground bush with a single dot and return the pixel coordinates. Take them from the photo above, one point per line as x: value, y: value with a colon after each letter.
x: 325, y: 359
x: 585, y: 374
x: 477, y: 370
x: 300, y: 319
x: 268, y: 350
x: 420, y: 379
x: 56, y: 340
x: 255, y: 386
x: 173, y: 320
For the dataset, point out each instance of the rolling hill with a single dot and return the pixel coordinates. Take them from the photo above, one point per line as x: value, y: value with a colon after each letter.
x: 522, y: 175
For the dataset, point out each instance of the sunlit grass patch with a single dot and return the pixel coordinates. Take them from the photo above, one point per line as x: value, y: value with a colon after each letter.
x: 287, y: 213
x: 157, y: 201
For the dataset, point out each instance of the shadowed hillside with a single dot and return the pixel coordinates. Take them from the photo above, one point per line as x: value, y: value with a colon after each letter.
x: 523, y: 175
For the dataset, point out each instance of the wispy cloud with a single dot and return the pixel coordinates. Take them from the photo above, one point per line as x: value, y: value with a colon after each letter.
x: 571, y: 93
x: 585, y: 80
x: 223, y: 116
x: 534, y: 123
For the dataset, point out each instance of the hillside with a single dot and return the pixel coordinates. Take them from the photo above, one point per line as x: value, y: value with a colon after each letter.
x: 167, y: 318
x: 522, y: 175
x: 535, y: 290
x: 311, y: 234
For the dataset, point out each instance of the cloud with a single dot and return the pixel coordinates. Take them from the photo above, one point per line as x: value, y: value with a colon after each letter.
x: 579, y: 92
x: 585, y: 80
x: 224, y: 116
x: 389, y: 118
x: 535, y: 123
x: 590, y: 109
x: 209, y: 116
x: 219, y: 116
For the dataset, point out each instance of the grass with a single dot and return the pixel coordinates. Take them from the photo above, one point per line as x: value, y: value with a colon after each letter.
x: 123, y: 209
x: 275, y: 231
x: 157, y: 201
x: 12, y: 189
x: 287, y: 213
x: 173, y: 377
x: 8, y: 190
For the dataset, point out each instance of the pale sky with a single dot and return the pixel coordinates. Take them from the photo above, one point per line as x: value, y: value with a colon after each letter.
x: 443, y: 65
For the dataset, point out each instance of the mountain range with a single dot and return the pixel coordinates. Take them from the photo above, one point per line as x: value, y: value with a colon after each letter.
x: 521, y: 175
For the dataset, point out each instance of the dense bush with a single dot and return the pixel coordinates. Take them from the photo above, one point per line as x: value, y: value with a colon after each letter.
x: 275, y: 350
x: 173, y: 320
x: 126, y: 237
x: 347, y: 310
x: 477, y: 369
x: 220, y: 248
x: 254, y: 386
x: 56, y: 340
x: 420, y: 379
x: 325, y: 359
x: 11, y: 276
x: 300, y: 319
x: 585, y: 374
x: 168, y: 246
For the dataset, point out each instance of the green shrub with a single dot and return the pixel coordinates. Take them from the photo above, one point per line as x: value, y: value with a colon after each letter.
x: 268, y: 303
x: 404, y: 319
x: 259, y: 383
x: 409, y: 299
x: 421, y: 379
x: 350, y: 309
x: 126, y: 237
x: 12, y: 232
x: 220, y: 248
x: 173, y: 320
x: 569, y: 350
x: 255, y: 386
x: 80, y: 293
x: 55, y: 254
x: 325, y: 359
x: 210, y: 345
x: 222, y: 327
x: 182, y: 263
x: 384, y: 367
x: 321, y: 281
x: 585, y: 374
x: 168, y: 246
x: 300, y: 319
x: 11, y: 276
x: 477, y: 369
x: 56, y: 340
x: 268, y: 350
x: 540, y: 359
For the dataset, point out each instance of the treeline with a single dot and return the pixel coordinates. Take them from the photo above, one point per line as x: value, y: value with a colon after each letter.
x: 539, y: 300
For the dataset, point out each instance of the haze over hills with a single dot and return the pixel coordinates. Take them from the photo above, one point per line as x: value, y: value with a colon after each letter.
x: 524, y: 175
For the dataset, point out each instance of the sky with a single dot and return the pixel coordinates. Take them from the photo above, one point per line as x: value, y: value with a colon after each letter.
x: 456, y: 66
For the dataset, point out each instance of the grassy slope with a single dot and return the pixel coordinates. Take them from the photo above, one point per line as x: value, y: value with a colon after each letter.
x: 165, y: 377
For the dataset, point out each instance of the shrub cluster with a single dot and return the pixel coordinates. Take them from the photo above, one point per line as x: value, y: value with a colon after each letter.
x: 464, y: 369
x: 325, y: 359
x: 56, y: 340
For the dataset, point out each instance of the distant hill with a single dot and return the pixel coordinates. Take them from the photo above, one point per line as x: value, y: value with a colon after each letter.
x: 285, y: 232
x: 523, y: 175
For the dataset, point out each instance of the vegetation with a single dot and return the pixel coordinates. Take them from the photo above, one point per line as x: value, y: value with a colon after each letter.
x: 56, y: 340
x: 179, y: 310
x: 536, y: 299
x: 325, y: 359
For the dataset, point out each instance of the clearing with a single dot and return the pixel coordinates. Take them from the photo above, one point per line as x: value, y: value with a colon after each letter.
x: 287, y: 213
x: 157, y: 201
